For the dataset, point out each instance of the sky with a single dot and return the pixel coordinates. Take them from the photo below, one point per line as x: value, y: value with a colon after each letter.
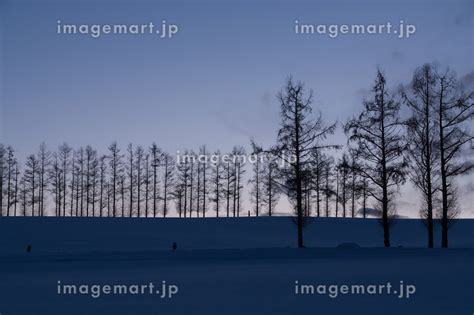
x: 214, y: 82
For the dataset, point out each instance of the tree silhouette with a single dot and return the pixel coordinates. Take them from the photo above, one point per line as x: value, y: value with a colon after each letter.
x: 239, y: 170
x: 2, y: 175
x: 256, y: 194
x: 271, y: 190
x: 343, y: 168
x: 298, y: 136
x: 64, y: 154
x: 115, y: 164
x: 216, y: 180
x: 44, y: 160
x: 454, y: 109
x: 422, y: 139
x: 32, y: 180
x: 168, y: 180
x: 11, y: 169
x: 380, y: 145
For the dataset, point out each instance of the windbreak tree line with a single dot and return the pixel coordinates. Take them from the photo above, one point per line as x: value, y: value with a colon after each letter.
x: 428, y: 146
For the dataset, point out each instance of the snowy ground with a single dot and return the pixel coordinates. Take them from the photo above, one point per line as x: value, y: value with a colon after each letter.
x: 243, y: 266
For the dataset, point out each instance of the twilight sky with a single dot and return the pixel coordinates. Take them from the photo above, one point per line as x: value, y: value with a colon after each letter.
x: 215, y: 81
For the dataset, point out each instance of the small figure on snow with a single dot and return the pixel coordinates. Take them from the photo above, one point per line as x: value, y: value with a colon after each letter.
x: 28, y: 249
x: 175, y: 246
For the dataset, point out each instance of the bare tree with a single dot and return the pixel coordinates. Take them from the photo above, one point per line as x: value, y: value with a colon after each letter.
x: 131, y: 178
x: 337, y: 194
x: 23, y: 195
x: 44, y: 157
x: 102, y: 183
x: 239, y: 171
x: 318, y: 163
x: 328, y: 184
x: 343, y: 169
x: 73, y: 185
x: 32, y: 180
x: 80, y: 180
x: 270, y: 189
x: 11, y: 167
x: 64, y: 152
x: 178, y: 195
x: 16, y: 189
x: 147, y: 180
x: 355, y: 187
x: 156, y: 154
x: 454, y: 109
x: 189, y: 180
x: 421, y: 131
x: 184, y: 174
x: 256, y: 194
x: 55, y: 178
x: 229, y: 176
x: 216, y: 179
x: 116, y: 168
x: 139, y: 167
x: 90, y: 161
x: 380, y: 144
x: 203, y: 168
x: 298, y: 136
x: 94, y: 171
x: 2, y: 176
x: 168, y: 180
x: 122, y: 184
x: 365, y: 191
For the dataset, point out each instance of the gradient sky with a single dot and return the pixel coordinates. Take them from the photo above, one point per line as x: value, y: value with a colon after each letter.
x: 215, y: 82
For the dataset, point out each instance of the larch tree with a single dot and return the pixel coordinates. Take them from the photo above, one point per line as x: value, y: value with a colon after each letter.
x: 328, y: 190
x: 378, y: 138
x: 256, y: 182
x: 183, y: 178
x: 270, y: 188
x: 318, y: 163
x: 16, y: 189
x: 343, y: 168
x: 10, y: 166
x: 32, y: 179
x: 422, y: 139
x: 298, y: 136
x: 147, y: 183
x: 239, y: 171
x: 90, y: 158
x: 155, y: 161
x: 102, y: 183
x: 55, y: 179
x: 204, y: 181
x: 229, y: 177
x: 192, y: 178
x: 355, y: 188
x: 139, y: 168
x: 64, y: 153
x: 73, y: 185
x: 2, y: 176
x: 116, y: 169
x: 216, y: 182
x: 131, y: 178
x: 168, y: 165
x: 454, y: 109
x: 44, y: 157
x: 94, y: 181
